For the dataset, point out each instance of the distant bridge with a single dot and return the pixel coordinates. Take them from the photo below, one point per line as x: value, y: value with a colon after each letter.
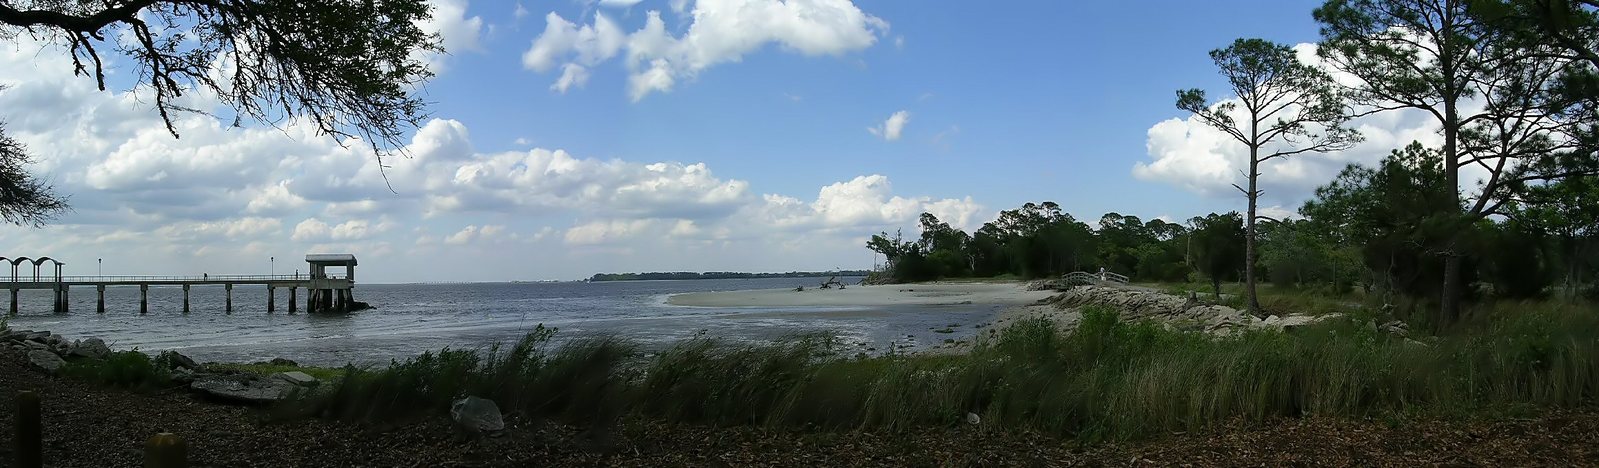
x: 1102, y: 277
x: 325, y: 292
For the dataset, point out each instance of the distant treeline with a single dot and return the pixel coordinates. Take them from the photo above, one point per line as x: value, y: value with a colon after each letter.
x: 689, y: 275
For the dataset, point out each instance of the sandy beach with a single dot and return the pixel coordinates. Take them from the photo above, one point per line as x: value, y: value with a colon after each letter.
x: 865, y: 296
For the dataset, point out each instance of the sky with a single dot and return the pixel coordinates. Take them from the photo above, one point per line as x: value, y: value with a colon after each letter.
x: 573, y: 137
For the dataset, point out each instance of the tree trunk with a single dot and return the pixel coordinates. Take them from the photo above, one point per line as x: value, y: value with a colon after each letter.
x: 1449, y: 310
x: 1249, y: 228
x: 1215, y: 287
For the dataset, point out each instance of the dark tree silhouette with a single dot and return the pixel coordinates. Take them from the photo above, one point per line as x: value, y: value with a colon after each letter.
x: 349, y: 66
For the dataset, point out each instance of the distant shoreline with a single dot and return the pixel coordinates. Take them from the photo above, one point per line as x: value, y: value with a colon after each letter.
x: 710, y: 275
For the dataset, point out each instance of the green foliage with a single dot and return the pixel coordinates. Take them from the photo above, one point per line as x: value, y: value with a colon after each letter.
x: 1218, y: 246
x: 1400, y: 215
x: 123, y: 369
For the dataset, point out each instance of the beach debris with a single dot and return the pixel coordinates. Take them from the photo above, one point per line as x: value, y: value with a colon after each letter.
x: 973, y: 419
x: 242, y: 388
x: 477, y: 415
x: 93, y: 348
x: 46, y: 360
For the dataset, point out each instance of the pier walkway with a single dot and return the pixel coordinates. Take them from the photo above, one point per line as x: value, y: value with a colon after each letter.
x: 324, y: 292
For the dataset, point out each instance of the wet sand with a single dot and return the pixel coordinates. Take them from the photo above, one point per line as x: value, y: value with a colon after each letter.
x: 867, y: 296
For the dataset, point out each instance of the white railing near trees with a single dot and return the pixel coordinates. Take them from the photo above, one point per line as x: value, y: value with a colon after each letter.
x: 1103, y: 277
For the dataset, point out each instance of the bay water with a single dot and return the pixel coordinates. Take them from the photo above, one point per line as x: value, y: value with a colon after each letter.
x: 412, y: 318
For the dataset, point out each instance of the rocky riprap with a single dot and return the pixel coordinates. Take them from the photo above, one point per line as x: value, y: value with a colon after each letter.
x: 50, y: 352
x: 1180, y: 312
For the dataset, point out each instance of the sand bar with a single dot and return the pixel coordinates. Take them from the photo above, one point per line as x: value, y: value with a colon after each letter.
x: 882, y: 295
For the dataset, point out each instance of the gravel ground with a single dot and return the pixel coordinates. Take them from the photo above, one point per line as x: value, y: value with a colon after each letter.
x: 94, y: 427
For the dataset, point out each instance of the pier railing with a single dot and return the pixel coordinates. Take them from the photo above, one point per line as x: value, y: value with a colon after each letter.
x: 186, y: 278
x: 1083, y: 277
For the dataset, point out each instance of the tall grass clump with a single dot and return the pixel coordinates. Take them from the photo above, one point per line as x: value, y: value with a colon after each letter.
x: 580, y: 381
x: 122, y: 369
x: 1106, y: 379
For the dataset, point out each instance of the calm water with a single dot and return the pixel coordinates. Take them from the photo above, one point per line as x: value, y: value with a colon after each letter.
x: 413, y: 318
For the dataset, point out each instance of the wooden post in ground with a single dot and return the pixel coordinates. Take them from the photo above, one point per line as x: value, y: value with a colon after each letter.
x: 185, y: 298
x: 272, y: 301
x: 229, y: 288
x: 99, y: 303
x: 294, y: 301
x: 30, y: 431
x: 166, y: 450
x: 144, y: 299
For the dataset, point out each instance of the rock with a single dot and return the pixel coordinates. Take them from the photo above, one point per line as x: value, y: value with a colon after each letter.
x: 183, y: 375
x: 36, y: 336
x: 245, y: 389
x: 1396, y: 328
x: 973, y: 419
x: 36, y: 345
x: 477, y: 415
x: 283, y: 362
x: 93, y: 348
x: 297, y: 378
x: 46, y: 360
x: 175, y: 360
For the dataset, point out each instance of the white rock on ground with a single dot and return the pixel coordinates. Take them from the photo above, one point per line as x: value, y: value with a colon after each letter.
x: 297, y: 378
x: 46, y: 360
x: 477, y: 415
x: 237, y: 389
x: 91, y: 348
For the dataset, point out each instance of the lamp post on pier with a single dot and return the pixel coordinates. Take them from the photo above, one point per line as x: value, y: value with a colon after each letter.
x: 98, y: 264
x: 272, y: 267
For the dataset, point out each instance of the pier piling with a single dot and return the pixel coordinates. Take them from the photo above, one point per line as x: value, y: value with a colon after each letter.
x: 272, y: 304
x: 144, y: 299
x: 99, y: 302
x: 185, y: 298
x: 294, y: 301
x: 229, y: 306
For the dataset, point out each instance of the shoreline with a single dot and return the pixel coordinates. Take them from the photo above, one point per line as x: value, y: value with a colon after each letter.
x: 928, y: 294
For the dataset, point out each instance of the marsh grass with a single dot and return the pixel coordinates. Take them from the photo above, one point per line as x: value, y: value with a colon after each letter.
x: 121, y: 369
x: 1107, y: 379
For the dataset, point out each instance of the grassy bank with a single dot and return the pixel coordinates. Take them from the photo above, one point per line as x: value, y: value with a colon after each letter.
x: 1107, y: 379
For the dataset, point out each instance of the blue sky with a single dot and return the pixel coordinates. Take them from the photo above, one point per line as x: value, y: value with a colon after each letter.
x: 729, y: 135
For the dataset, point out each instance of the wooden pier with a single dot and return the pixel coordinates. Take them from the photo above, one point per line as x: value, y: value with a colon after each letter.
x: 324, y: 292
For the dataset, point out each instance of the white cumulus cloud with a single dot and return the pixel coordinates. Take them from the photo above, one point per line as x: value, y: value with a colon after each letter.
x: 892, y: 128
x: 720, y: 31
